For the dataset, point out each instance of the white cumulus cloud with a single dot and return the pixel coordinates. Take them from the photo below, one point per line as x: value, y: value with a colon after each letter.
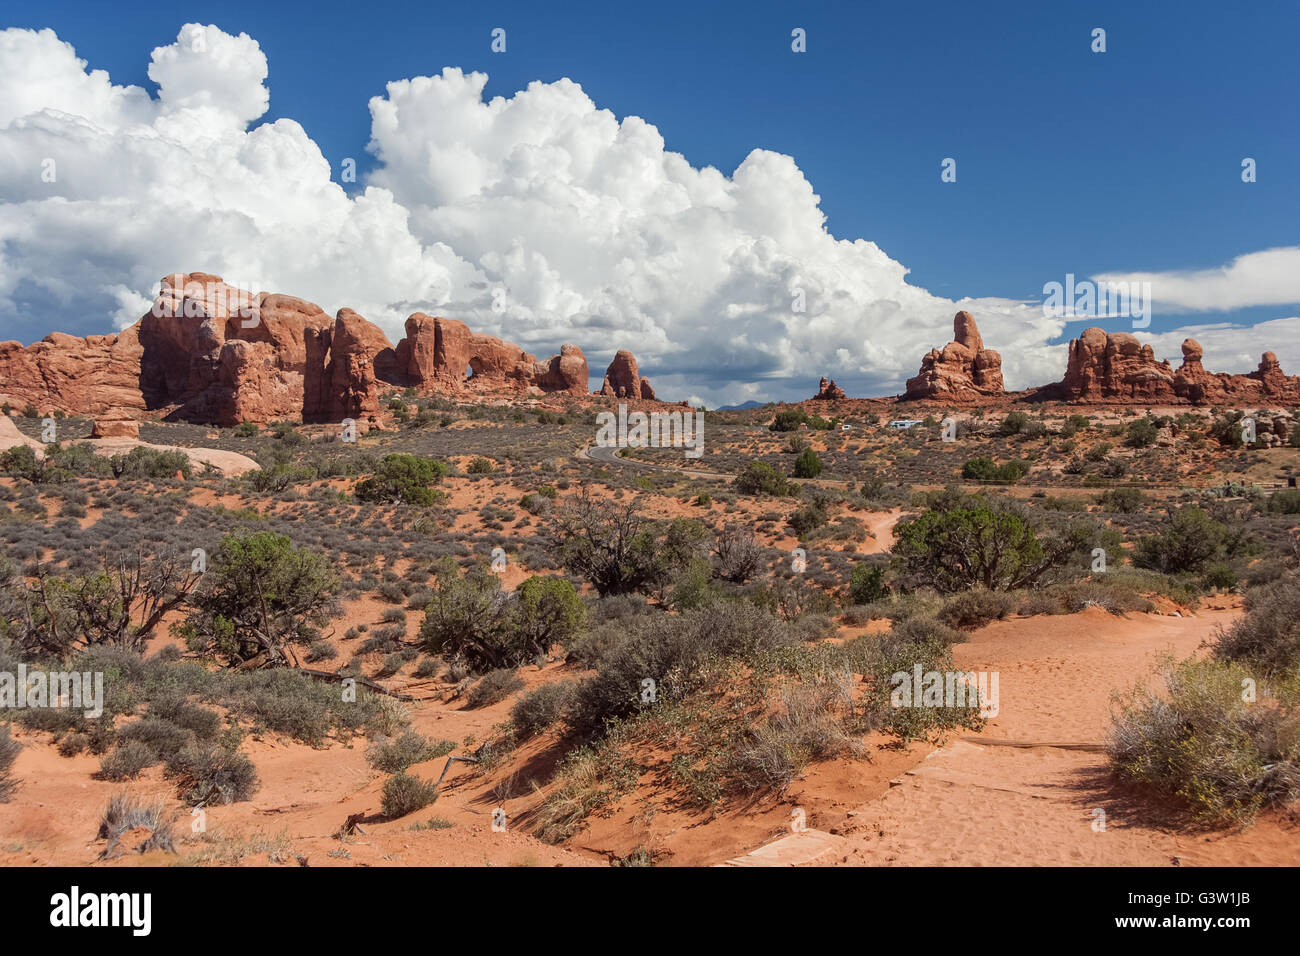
x: 1267, y: 277
x: 539, y: 217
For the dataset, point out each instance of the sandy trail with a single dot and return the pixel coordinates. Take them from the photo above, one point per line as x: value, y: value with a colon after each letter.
x: 972, y: 804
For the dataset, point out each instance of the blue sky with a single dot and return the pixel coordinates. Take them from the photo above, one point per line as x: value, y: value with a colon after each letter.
x: 1068, y: 161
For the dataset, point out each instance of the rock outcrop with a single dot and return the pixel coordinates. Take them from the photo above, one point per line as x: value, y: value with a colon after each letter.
x: 1106, y: 367
x: 829, y: 392
x: 208, y: 352
x: 213, y: 353
x: 962, y: 371
x: 89, y: 375
x: 116, y: 426
x: 340, y: 379
x: 624, y: 380
x: 440, y: 354
x: 566, y: 372
x: 1115, y: 367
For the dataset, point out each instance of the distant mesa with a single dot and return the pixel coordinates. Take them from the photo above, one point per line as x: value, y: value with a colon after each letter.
x: 208, y: 352
x: 828, y: 391
x: 962, y: 371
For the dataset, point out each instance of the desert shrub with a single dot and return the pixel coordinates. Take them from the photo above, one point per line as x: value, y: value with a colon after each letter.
x: 808, y: 464
x: 126, y: 812
x: 388, y: 717
x: 392, y: 664
x: 792, y: 598
x: 126, y: 761
x: 970, y: 541
x: 380, y: 642
x: 668, y: 650
x: 405, y: 794
x: 541, y: 707
x: 1141, y: 433
x: 494, y: 687
x: 20, y: 461
x: 807, y: 726
x: 692, y: 586
x: 141, y: 462
x: 1122, y: 500
x: 738, y: 555
x: 246, y: 430
x: 1110, y: 592
x: 263, y: 595
x: 1225, y: 757
x: 536, y: 504
x: 546, y: 611
x: 1013, y: 424
x: 79, y: 459
x: 589, y: 778
x: 1187, y: 543
x: 808, y: 518
x: 1267, y: 636
x: 480, y: 466
x: 286, y: 433
x: 209, y: 774
x: 867, y: 584
x: 289, y: 703
x: 619, y: 550
x: 1219, y: 575
x: 976, y: 607
x: 465, y: 616
x: 202, y: 723
x: 760, y: 478
x: 161, y: 736
x: 72, y: 744
x: 1074, y: 424
x: 278, y: 477
x: 9, y: 750
x: 884, y: 660
x: 318, y: 652
x: 985, y: 469
x: 402, y: 479
x: 119, y: 604
x: 394, y: 756
x: 790, y: 419
x: 1286, y: 501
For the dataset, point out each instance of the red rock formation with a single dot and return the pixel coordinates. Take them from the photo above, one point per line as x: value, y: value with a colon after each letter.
x: 1114, y: 367
x: 439, y: 354
x: 829, y: 392
x: 341, y: 378
x: 122, y: 426
x: 89, y: 375
x: 647, y: 393
x: 964, y: 370
x: 622, y: 378
x: 566, y: 372
x: 217, y: 354
x: 205, y: 352
x: 1106, y: 367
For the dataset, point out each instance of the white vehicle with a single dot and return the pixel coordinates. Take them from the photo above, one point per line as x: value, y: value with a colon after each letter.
x: 845, y: 427
x: 902, y: 424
